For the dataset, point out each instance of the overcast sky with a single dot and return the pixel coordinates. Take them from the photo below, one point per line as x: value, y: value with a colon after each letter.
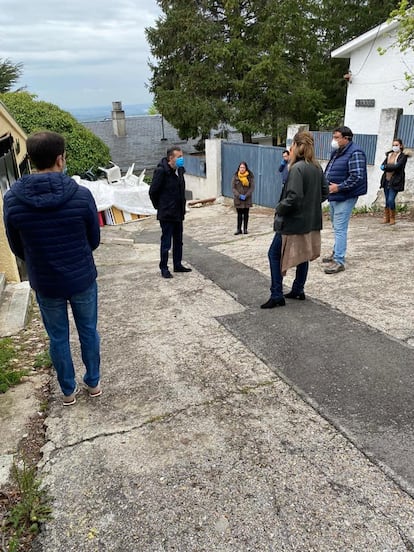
x: 81, y: 53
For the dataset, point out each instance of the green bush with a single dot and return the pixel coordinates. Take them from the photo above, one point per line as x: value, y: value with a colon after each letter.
x: 32, y: 509
x: 84, y: 150
x: 9, y: 375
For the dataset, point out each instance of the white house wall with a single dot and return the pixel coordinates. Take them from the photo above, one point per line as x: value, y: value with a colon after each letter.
x: 378, y: 77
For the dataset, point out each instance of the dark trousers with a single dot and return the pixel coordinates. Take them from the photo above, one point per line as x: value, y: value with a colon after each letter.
x: 171, y: 232
x: 242, y: 217
x: 275, y: 257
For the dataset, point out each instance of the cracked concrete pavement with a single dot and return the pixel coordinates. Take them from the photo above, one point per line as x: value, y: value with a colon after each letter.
x: 197, y: 443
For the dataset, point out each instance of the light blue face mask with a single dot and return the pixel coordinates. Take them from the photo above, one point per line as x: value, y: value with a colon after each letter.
x: 179, y: 162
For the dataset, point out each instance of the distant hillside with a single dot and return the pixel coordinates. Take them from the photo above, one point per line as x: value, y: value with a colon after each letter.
x: 90, y: 114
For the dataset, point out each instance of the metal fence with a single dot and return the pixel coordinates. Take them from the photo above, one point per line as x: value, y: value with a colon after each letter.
x: 263, y: 161
x: 406, y: 130
x: 195, y: 165
x: 367, y: 142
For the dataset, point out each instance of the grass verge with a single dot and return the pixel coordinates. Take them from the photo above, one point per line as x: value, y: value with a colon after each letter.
x: 30, y: 508
x: 9, y: 374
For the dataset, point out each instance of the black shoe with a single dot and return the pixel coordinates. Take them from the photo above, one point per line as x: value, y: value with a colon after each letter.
x: 237, y: 233
x: 166, y: 274
x: 182, y: 269
x: 293, y: 295
x: 245, y: 232
x: 272, y: 303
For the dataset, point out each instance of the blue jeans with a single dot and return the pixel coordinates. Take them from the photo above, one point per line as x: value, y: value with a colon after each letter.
x: 341, y: 212
x: 54, y: 313
x: 276, y: 287
x: 171, y: 232
x: 390, y: 196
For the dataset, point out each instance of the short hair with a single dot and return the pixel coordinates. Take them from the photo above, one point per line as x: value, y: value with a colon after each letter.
x: 286, y: 151
x: 345, y: 131
x: 44, y: 147
x: 171, y: 150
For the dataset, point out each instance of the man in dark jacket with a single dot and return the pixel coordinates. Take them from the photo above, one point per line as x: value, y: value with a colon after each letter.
x: 52, y: 224
x: 284, y: 166
x: 167, y: 193
x: 346, y: 173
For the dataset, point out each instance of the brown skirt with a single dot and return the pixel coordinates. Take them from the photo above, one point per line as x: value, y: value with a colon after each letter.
x: 298, y: 248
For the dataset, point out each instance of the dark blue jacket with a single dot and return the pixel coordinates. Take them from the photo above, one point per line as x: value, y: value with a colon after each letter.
x: 347, y: 167
x: 52, y: 223
x: 284, y: 169
x: 167, y: 192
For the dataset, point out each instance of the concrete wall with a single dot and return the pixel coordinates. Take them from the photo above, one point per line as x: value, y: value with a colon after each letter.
x: 8, y: 263
x: 204, y: 188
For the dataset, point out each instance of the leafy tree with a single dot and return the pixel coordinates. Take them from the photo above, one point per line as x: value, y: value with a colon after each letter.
x: 405, y: 15
x: 257, y: 65
x: 84, y: 149
x: 9, y: 74
x: 152, y: 110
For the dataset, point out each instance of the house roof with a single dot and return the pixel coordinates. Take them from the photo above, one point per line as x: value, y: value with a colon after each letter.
x: 143, y: 144
x: 346, y: 50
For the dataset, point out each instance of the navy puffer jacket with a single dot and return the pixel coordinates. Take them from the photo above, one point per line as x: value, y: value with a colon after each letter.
x: 52, y: 223
x: 347, y: 167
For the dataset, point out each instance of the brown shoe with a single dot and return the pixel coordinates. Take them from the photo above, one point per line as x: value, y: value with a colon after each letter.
x: 386, y: 218
x: 334, y: 268
x: 392, y: 216
x: 328, y: 259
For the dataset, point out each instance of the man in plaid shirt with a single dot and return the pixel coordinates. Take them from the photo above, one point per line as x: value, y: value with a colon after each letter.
x: 346, y: 173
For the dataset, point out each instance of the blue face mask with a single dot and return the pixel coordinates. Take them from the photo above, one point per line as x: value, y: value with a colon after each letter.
x: 179, y: 162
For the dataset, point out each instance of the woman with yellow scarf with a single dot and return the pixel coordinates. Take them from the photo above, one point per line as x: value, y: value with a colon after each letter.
x: 243, y: 186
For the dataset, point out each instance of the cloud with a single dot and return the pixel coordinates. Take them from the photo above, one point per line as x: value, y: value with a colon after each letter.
x: 83, y: 53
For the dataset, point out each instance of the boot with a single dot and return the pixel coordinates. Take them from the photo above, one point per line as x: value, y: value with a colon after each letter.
x: 392, y: 216
x: 245, y: 221
x: 386, y: 218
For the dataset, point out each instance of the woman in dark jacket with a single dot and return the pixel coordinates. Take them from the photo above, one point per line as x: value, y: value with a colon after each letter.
x: 393, y: 178
x: 243, y: 187
x: 298, y: 221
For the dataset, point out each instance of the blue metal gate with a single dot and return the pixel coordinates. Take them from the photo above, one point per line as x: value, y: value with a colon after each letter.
x: 406, y: 130
x: 263, y: 161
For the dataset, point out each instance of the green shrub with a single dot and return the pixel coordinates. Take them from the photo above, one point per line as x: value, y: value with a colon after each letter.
x: 31, y: 510
x: 9, y: 375
x: 84, y: 150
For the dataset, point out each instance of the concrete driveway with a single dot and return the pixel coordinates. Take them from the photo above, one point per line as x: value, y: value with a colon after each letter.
x: 224, y: 427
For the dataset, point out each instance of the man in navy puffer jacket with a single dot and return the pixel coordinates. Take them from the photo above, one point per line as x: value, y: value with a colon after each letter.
x: 52, y: 224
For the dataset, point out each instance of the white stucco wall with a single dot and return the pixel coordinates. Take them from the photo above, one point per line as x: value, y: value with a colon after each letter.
x: 205, y: 188
x: 378, y: 77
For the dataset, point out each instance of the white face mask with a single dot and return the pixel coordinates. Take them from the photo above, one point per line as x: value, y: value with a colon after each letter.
x: 396, y: 149
x: 334, y: 145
